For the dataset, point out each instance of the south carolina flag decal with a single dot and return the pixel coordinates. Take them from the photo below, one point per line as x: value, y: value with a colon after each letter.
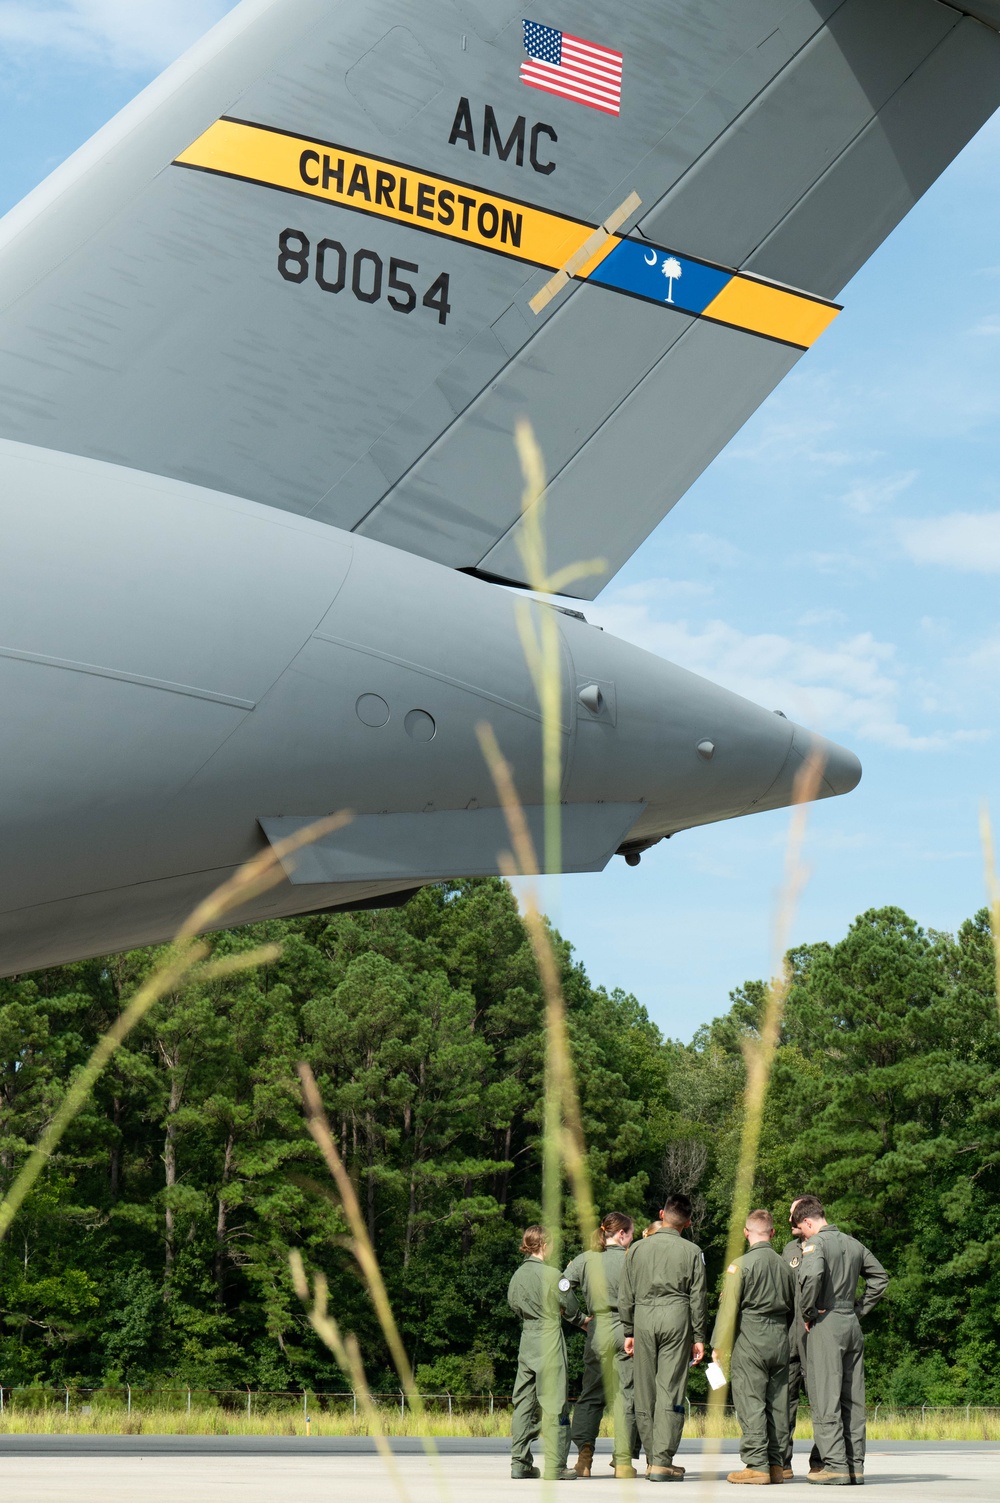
x: 572, y: 68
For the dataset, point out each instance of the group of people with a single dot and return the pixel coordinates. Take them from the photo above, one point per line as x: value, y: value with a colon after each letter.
x: 788, y: 1323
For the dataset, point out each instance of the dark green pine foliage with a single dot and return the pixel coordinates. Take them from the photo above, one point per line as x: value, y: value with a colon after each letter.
x: 885, y: 1102
x: 155, y: 1247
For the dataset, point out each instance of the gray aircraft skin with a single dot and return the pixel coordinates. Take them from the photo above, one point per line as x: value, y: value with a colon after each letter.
x: 263, y: 343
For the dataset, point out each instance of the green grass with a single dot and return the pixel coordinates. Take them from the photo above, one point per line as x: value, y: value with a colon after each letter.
x: 890, y: 1424
x: 22, y: 1419
x: 288, y: 1421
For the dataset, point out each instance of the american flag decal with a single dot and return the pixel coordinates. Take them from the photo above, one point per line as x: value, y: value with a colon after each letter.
x: 572, y: 68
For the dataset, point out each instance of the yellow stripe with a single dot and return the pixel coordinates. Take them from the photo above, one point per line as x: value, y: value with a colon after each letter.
x: 334, y: 175
x: 407, y: 196
x: 774, y: 311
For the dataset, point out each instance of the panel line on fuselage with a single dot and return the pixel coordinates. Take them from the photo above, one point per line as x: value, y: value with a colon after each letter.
x: 98, y: 671
x: 443, y: 678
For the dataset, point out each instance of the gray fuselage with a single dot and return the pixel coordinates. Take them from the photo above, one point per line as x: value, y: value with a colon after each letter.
x: 178, y: 665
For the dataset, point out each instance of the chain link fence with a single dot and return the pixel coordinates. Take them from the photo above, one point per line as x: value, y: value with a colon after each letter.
x: 247, y: 1401
x: 250, y: 1401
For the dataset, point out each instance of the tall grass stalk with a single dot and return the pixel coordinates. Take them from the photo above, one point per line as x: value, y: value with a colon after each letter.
x: 563, y: 1142
x: 759, y: 1052
x: 539, y: 630
x: 562, y: 1129
x: 365, y: 1256
x: 180, y: 966
x: 564, y: 1145
x: 565, y: 1126
x: 347, y: 1353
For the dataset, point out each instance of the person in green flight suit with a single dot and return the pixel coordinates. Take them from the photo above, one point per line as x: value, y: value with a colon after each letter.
x: 597, y: 1274
x: 832, y: 1263
x: 751, y: 1338
x: 540, y: 1390
x: 662, y: 1308
x: 792, y: 1254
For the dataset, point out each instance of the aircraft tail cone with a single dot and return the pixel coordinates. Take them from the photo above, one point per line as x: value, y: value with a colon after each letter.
x: 841, y: 769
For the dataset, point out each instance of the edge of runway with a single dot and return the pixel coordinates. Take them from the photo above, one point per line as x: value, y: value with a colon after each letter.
x: 362, y: 1445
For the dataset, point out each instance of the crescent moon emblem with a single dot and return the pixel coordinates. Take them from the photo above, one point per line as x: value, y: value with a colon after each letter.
x: 650, y: 260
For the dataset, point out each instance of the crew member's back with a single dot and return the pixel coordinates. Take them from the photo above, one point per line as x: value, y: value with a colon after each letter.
x: 662, y: 1307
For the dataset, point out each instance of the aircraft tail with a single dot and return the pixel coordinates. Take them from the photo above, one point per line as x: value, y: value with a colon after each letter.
x: 304, y: 266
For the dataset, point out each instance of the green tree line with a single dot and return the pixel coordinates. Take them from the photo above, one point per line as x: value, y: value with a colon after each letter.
x: 154, y: 1250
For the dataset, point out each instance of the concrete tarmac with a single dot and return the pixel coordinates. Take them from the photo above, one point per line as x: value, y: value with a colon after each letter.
x: 166, y: 1469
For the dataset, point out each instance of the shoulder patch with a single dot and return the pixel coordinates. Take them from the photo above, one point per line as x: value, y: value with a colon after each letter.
x: 564, y: 1285
x: 809, y: 1247
x: 795, y: 1262
x: 731, y: 1268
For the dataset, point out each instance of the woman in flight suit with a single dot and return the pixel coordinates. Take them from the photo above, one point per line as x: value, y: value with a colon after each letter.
x: 538, y: 1297
x: 597, y: 1274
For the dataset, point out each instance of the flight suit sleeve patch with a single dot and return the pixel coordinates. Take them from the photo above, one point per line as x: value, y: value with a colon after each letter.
x: 564, y: 1285
x: 731, y: 1268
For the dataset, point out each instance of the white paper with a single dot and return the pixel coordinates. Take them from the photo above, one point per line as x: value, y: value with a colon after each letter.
x: 715, y: 1375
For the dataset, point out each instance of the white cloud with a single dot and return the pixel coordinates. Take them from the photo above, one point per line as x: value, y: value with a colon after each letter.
x: 822, y: 617
x: 866, y: 496
x: 961, y: 540
x: 802, y: 423
x: 851, y: 688
x: 834, y: 563
x: 664, y: 589
x: 125, y: 33
x: 717, y: 550
x: 982, y: 665
x: 925, y: 383
x: 938, y: 628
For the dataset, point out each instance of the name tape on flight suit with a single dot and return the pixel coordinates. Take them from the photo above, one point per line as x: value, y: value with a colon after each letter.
x: 505, y: 226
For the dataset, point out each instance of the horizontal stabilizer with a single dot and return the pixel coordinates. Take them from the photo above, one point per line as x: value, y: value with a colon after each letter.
x: 447, y: 843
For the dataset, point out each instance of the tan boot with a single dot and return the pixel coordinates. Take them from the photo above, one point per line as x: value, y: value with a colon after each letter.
x: 626, y: 1471
x: 584, y: 1461
x: 787, y: 1474
x: 777, y: 1473
x: 665, y: 1474
x: 750, y: 1474
x: 831, y: 1479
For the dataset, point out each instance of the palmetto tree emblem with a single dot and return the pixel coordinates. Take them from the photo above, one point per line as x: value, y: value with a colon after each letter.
x: 671, y: 269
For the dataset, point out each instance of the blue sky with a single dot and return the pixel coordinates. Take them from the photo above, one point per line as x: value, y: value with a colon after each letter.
x: 839, y: 561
